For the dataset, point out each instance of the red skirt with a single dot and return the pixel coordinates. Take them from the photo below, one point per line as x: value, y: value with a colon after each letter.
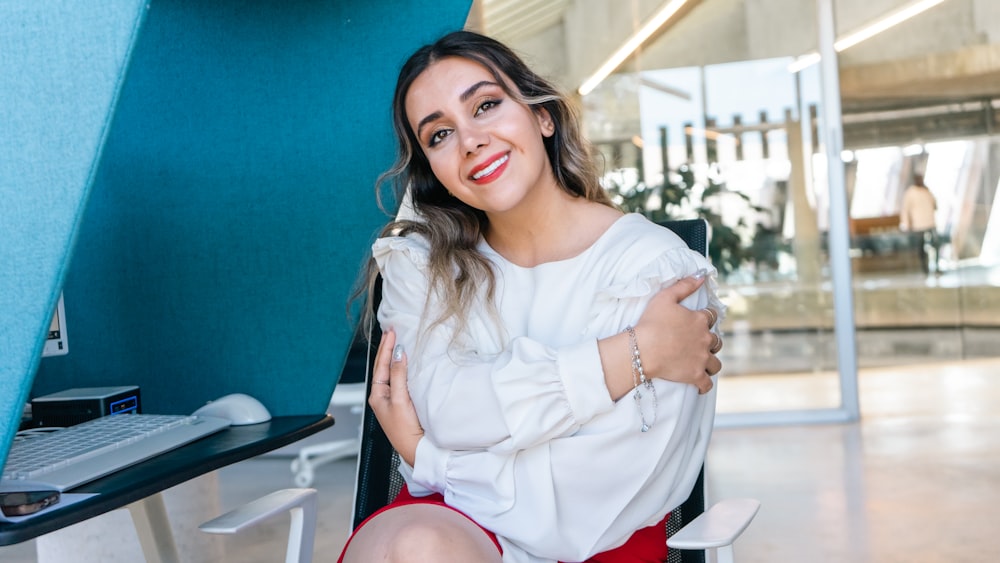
x: 647, y: 545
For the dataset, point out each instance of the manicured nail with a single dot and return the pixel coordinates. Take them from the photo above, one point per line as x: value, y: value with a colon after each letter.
x: 700, y: 274
x: 397, y: 353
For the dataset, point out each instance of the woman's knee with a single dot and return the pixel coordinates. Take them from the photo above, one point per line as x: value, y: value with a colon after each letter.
x: 416, y: 533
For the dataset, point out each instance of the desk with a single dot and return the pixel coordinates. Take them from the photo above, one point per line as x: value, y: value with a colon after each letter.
x: 151, y: 477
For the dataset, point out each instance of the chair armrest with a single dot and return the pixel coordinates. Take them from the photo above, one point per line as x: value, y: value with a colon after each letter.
x: 258, y: 510
x: 301, y: 503
x: 718, y: 526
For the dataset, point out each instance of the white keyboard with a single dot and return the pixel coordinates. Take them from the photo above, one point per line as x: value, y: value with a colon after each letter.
x: 65, y: 458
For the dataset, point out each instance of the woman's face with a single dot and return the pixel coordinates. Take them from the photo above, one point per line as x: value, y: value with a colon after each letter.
x: 484, y: 146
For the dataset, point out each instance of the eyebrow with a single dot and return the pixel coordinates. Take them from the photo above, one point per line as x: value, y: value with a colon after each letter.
x: 468, y: 93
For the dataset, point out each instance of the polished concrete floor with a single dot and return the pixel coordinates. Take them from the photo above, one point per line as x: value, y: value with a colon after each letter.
x: 917, y: 479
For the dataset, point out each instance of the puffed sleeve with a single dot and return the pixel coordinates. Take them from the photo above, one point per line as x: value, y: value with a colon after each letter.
x: 494, y: 395
x: 666, y: 269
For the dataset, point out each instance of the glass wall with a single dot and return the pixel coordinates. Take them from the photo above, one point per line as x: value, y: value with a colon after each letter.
x: 734, y: 134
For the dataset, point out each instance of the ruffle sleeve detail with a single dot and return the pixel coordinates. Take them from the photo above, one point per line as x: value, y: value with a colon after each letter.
x: 662, y: 271
x: 414, y: 247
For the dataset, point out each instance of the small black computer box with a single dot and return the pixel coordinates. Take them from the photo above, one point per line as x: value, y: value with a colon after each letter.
x: 74, y: 406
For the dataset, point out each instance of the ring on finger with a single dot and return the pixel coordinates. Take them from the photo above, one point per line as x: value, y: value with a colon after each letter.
x: 717, y: 346
x: 713, y: 317
x: 381, y: 381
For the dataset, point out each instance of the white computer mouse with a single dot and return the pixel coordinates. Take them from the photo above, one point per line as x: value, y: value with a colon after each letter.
x: 239, y: 408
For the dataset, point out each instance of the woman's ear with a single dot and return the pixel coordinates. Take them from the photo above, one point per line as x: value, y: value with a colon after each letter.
x: 545, y: 122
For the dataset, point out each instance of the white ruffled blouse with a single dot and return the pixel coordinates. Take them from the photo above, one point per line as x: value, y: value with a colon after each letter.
x: 521, y: 432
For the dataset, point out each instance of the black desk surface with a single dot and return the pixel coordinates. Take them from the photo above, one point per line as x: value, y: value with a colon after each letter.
x: 152, y: 476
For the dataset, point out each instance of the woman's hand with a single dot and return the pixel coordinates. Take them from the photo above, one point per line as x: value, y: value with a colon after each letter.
x: 675, y: 342
x: 390, y: 399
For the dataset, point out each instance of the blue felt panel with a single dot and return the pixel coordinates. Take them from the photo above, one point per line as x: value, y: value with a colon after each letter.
x: 234, y: 204
x: 61, y: 65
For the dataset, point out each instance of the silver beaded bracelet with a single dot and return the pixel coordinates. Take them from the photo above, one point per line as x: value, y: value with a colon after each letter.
x: 639, y: 381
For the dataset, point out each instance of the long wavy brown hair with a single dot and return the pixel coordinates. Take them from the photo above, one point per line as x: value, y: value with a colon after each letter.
x: 458, y: 272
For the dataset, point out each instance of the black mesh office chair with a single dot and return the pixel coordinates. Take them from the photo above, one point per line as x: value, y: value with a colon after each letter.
x: 378, y: 481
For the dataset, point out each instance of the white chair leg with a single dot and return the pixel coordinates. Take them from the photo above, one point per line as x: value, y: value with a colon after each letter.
x: 722, y: 554
x: 311, y: 457
x: 301, y: 503
x: 304, y: 466
x: 301, y: 534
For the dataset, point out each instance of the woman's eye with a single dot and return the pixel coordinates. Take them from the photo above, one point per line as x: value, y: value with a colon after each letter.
x: 486, y: 106
x: 437, y: 137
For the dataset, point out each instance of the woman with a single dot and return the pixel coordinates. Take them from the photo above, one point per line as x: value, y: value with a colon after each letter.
x: 549, y: 401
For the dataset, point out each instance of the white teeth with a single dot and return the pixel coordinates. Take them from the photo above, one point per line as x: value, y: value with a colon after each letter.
x: 492, y: 167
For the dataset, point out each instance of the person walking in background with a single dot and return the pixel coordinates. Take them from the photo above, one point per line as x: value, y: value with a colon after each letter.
x: 917, y: 217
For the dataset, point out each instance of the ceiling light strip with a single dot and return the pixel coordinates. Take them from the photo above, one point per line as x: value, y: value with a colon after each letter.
x: 868, y: 31
x: 631, y: 44
x: 890, y: 20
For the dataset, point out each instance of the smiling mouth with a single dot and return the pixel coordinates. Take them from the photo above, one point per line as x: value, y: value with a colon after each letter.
x: 491, y: 168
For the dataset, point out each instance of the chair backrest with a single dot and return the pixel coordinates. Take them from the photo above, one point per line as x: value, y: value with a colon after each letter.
x: 378, y: 480
x: 694, y: 232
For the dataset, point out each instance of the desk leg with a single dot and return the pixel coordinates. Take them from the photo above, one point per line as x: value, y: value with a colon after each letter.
x: 153, y: 527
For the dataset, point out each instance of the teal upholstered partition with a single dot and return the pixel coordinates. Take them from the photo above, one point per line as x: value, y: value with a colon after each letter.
x: 197, y: 177
x: 61, y: 65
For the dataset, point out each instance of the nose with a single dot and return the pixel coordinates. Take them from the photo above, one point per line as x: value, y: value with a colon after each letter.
x: 473, y: 139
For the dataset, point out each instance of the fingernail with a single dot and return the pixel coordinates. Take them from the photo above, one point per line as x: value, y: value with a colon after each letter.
x: 397, y: 353
x: 700, y: 274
